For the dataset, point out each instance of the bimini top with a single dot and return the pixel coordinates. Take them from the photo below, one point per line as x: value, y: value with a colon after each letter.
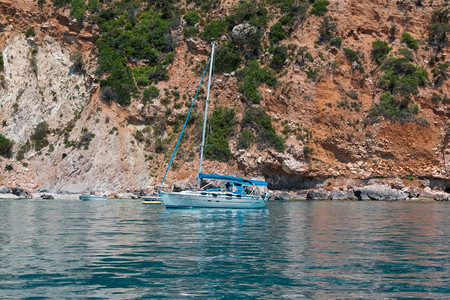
x: 240, y: 180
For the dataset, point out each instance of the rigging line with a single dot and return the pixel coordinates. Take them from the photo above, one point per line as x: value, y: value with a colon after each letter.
x: 185, y: 122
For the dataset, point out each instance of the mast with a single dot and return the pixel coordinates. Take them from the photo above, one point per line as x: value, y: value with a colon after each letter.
x: 206, y: 114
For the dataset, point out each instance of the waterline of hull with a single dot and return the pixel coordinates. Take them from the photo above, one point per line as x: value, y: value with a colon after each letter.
x: 197, y: 200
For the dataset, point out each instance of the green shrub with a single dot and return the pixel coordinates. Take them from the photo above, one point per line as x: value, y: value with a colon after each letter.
x: 354, y: 56
x: 190, y: 31
x: 227, y: 58
x: 245, y: 139
x: 320, y: 7
x: 439, y: 29
x: 327, y: 29
x: 192, y: 17
x: 406, y: 53
x: 77, y: 59
x: 78, y: 9
x: 139, y: 136
x: 60, y: 3
x: 286, y: 20
x: 117, y: 87
x: 30, y: 32
x: 436, y: 99
x: 312, y: 73
x: 402, y: 77
x: 379, y: 51
x: 220, y: 127
x: 213, y: 30
x: 124, y: 38
x: 308, y: 151
x: 151, y: 93
x: 5, y: 146
x: 251, y: 77
x: 2, y: 63
x: 39, y: 136
x: 440, y: 73
x: 410, y: 41
x: 260, y: 121
x: 294, y: 11
x: 279, y: 57
x: 94, y: 6
x: 253, y: 13
x: 336, y: 41
x: 276, y: 33
x: 394, y: 110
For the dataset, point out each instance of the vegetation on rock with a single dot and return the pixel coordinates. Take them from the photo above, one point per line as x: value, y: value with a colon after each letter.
x: 5, y: 145
x: 379, y: 51
x: 258, y: 120
x: 251, y: 77
x: 220, y: 127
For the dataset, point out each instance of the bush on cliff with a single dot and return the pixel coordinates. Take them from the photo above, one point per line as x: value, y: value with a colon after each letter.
x: 320, y: 7
x: 220, y: 127
x: 251, y: 77
x: 39, y: 136
x: 439, y: 29
x: 393, y: 109
x: 379, y: 51
x: 258, y: 120
x: 5, y: 145
x: 227, y: 58
x: 410, y: 41
x: 124, y: 39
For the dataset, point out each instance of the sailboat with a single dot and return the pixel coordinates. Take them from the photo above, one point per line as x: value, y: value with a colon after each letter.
x: 227, y: 191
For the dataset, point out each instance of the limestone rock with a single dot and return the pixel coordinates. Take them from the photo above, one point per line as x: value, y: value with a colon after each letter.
x: 293, y: 166
x: 8, y: 196
x: 320, y: 194
x: 379, y: 192
x: 5, y: 190
x: 126, y: 196
x: 21, y: 193
x: 337, y: 194
x: 196, y: 46
x: 242, y: 31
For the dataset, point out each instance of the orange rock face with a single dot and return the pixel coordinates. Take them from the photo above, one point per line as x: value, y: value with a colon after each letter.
x: 323, y: 118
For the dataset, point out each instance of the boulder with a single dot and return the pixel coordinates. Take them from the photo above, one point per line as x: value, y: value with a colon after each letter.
x: 300, y: 196
x: 4, y: 189
x: 126, y: 196
x: 21, y: 193
x: 342, y: 195
x: 320, y: 194
x: 8, y: 196
x: 196, y: 46
x: 282, y: 196
x: 242, y: 31
x: 379, y: 192
x: 441, y: 196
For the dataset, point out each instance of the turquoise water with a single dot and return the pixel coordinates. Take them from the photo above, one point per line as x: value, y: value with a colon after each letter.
x: 123, y: 249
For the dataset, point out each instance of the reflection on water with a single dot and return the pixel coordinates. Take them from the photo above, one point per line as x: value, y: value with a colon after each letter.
x: 292, y: 250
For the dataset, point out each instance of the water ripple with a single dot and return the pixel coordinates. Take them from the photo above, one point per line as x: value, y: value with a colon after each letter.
x: 122, y: 249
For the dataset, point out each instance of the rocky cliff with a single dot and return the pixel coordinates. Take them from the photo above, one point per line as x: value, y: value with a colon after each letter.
x: 325, y: 106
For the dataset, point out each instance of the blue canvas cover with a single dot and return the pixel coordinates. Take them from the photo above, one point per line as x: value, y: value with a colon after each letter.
x: 232, y: 179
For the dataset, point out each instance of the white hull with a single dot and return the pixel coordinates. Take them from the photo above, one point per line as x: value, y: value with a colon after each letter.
x: 93, y: 198
x: 189, y: 199
x: 151, y: 198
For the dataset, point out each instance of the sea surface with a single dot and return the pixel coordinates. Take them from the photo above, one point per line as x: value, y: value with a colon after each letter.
x: 122, y: 249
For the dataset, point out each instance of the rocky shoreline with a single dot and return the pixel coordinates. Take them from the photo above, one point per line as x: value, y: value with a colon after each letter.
x: 373, y: 190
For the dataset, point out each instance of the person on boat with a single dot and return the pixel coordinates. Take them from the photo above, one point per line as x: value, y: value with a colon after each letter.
x: 228, y: 186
